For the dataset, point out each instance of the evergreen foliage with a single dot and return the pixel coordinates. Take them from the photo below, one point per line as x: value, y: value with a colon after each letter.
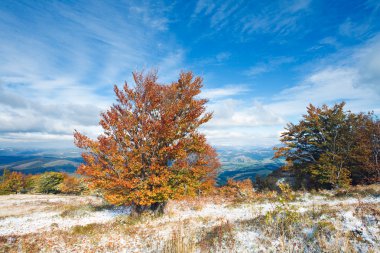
x: 332, y: 148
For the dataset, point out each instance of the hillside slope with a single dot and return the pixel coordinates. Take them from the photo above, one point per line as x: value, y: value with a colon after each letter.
x: 324, y: 222
x: 237, y: 163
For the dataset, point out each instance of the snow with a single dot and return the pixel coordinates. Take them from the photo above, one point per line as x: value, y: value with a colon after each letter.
x: 39, y: 213
x: 351, y: 223
x: 247, y: 240
x: 23, y: 214
x: 38, y: 222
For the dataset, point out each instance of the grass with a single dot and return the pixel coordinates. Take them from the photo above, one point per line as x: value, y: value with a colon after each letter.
x: 81, y: 210
x: 181, y: 241
x: 88, y: 230
x: 220, y: 238
x: 359, y: 191
x: 282, y: 228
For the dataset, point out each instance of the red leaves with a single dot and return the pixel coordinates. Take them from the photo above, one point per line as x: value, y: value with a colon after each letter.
x: 149, y: 134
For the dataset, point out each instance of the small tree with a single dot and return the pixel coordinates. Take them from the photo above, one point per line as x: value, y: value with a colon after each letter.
x: 31, y: 183
x: 12, y: 182
x: 49, y: 182
x: 5, y: 175
x: 150, y: 149
x: 71, y: 185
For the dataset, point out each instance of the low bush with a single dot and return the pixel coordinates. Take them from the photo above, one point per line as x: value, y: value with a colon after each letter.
x: 359, y: 191
x: 12, y: 182
x: 71, y: 185
x: 49, y: 182
x: 284, y: 217
x: 221, y: 238
x: 237, y: 189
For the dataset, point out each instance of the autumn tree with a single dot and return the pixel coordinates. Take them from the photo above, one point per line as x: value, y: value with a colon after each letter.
x: 150, y: 149
x: 366, y: 155
x: 374, y: 140
x: 12, y: 182
x: 321, y: 148
x: 71, y: 185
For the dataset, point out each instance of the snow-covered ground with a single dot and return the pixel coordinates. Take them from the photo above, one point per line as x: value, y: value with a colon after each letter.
x: 23, y: 214
x: 354, y: 223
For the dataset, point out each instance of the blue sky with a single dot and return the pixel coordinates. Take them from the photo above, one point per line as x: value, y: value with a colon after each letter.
x: 262, y: 62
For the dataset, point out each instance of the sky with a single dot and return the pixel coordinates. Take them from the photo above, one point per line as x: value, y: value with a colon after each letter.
x: 262, y: 62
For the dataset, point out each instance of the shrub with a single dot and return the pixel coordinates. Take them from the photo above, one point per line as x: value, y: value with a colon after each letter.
x: 238, y: 189
x: 13, y: 182
x: 49, y: 182
x: 31, y: 183
x: 220, y: 238
x: 266, y: 183
x: 71, y: 185
x: 284, y: 217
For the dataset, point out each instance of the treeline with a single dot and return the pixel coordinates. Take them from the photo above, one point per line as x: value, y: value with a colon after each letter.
x: 332, y: 148
x: 48, y: 182
x: 13, y: 182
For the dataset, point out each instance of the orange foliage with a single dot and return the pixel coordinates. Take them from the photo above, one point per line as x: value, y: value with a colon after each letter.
x: 238, y: 189
x: 14, y: 182
x: 71, y: 185
x: 150, y: 150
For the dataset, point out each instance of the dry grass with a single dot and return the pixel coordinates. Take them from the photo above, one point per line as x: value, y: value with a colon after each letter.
x: 183, y: 240
x: 219, y: 239
x: 22, y: 204
x: 359, y: 191
x: 191, y: 226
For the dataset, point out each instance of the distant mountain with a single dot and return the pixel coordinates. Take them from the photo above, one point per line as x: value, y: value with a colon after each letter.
x: 35, y: 161
x: 237, y: 163
x: 243, y: 159
x: 246, y: 162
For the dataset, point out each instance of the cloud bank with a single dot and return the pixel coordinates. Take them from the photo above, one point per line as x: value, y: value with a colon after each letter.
x: 59, y: 62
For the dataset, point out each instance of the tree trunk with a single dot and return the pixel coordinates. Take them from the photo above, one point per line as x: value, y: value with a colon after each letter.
x: 156, y: 209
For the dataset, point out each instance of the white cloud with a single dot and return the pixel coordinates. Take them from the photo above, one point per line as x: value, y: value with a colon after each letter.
x: 57, y: 71
x: 227, y: 91
x: 244, y: 17
x: 350, y: 29
x: 354, y: 79
x: 326, y: 86
x: 237, y: 113
x: 56, y: 76
x: 268, y: 66
x: 251, y: 136
x: 239, y: 122
x: 369, y: 65
x: 280, y: 18
x: 219, y: 12
x: 223, y: 56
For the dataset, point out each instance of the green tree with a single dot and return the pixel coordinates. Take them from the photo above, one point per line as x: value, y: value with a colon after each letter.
x: 319, y: 149
x: 49, y: 182
x: 5, y: 175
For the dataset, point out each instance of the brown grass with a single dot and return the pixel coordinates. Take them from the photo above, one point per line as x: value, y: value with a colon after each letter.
x: 149, y: 233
